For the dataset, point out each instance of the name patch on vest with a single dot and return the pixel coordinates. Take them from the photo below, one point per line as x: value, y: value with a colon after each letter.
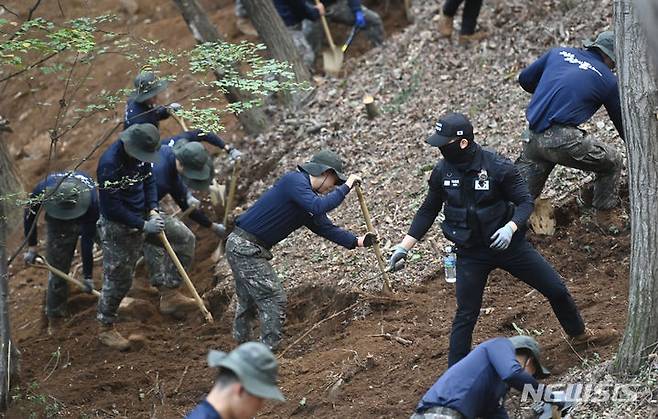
x: 451, y: 182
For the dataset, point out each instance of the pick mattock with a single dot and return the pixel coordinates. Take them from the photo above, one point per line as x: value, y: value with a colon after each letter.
x: 180, y: 121
x: 227, y: 208
x: 125, y: 302
x: 186, y: 278
x: 332, y: 60
x: 378, y: 250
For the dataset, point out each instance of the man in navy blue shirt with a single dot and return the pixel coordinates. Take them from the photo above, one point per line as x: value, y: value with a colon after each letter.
x: 476, y: 386
x: 293, y: 12
x: 184, y: 160
x: 486, y: 206
x: 299, y: 198
x: 142, y: 106
x: 206, y: 137
x: 128, y: 205
x: 247, y: 377
x: 568, y: 86
x: 71, y: 205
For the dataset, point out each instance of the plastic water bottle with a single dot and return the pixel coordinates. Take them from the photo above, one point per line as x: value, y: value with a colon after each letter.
x: 450, y: 265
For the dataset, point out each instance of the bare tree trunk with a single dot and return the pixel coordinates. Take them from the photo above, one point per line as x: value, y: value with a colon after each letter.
x: 648, y: 12
x: 9, y: 185
x: 279, y: 42
x: 253, y: 120
x: 638, y: 102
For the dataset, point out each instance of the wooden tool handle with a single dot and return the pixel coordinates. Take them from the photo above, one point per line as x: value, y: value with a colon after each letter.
x: 231, y: 191
x: 65, y: 276
x: 186, y: 278
x: 378, y: 250
x: 180, y: 121
x: 185, y: 213
x: 326, y: 30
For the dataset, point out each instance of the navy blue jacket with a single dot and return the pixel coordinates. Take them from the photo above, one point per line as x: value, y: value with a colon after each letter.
x: 474, y: 210
x: 476, y: 386
x: 293, y: 12
x: 87, y: 221
x: 169, y: 182
x: 290, y: 204
x: 141, y: 113
x: 127, y: 187
x: 203, y: 410
x: 568, y: 86
x: 196, y: 135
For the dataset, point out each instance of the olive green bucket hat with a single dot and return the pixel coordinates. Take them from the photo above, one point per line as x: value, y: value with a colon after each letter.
x: 200, y: 185
x: 68, y: 201
x: 254, y: 365
x: 194, y: 157
x: 147, y: 85
x: 605, y: 42
x: 142, y: 142
x: 323, y: 161
x: 527, y: 342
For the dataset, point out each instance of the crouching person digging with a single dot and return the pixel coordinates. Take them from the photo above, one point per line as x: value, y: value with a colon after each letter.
x: 298, y: 198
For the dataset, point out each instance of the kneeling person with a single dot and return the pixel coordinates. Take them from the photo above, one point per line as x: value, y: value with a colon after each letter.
x: 476, y: 386
x: 299, y: 198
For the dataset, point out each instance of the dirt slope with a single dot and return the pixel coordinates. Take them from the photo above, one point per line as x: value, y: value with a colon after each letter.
x: 414, y: 77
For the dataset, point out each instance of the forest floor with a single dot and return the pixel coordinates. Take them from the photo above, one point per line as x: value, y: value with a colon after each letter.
x: 343, y: 368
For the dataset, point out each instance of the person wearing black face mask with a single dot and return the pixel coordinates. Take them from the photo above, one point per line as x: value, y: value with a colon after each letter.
x: 486, y: 205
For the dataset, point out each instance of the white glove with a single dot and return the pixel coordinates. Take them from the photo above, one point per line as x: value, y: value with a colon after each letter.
x: 192, y: 201
x: 218, y: 229
x: 175, y: 106
x: 234, y: 154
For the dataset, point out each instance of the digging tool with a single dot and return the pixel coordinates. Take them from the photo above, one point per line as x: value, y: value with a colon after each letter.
x: 350, y: 38
x: 332, y: 60
x: 125, y: 302
x: 401, y: 264
x: 188, y: 211
x: 378, y: 250
x: 227, y: 208
x: 186, y: 278
x: 180, y: 121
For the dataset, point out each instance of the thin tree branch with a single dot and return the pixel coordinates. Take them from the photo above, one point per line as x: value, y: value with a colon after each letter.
x: 9, y: 10
x: 31, y: 66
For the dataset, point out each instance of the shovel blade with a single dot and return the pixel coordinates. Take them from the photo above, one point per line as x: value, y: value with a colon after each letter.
x: 332, y: 61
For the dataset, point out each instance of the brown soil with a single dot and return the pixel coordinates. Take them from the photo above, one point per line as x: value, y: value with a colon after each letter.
x: 77, y: 377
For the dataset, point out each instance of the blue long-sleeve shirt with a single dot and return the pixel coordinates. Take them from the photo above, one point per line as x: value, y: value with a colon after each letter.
x: 293, y: 12
x: 476, y: 386
x: 141, y: 113
x: 290, y: 204
x: 568, y: 86
x: 87, y: 221
x: 203, y: 410
x: 169, y: 182
x: 196, y: 135
x: 127, y: 188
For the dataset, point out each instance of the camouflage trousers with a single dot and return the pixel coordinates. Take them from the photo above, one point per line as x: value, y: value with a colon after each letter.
x: 240, y: 10
x: 302, y: 45
x: 122, y: 246
x: 161, y: 268
x: 60, y: 248
x: 258, y: 289
x: 571, y: 147
x: 340, y: 12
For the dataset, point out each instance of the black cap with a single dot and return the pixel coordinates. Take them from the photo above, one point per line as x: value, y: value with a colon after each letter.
x: 450, y: 126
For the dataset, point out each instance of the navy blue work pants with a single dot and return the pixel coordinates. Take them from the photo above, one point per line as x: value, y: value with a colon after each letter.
x: 525, y: 263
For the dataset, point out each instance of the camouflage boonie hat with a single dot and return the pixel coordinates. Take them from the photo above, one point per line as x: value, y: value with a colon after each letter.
x: 142, y: 142
x: 529, y: 343
x: 68, y: 201
x: 605, y: 42
x: 254, y: 365
x: 195, y: 158
x: 323, y: 161
x: 147, y: 85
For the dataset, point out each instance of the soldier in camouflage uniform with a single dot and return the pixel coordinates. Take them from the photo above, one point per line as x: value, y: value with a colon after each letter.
x: 129, y: 210
x: 299, y: 198
x: 71, y: 206
x: 568, y: 86
x: 182, y: 163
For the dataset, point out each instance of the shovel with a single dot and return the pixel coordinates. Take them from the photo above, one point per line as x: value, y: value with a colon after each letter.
x: 332, y: 60
x: 125, y: 302
x: 227, y: 208
x: 378, y: 250
x: 349, y: 39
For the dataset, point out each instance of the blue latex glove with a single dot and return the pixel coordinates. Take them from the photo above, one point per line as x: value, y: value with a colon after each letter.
x: 502, y: 237
x: 359, y: 19
x: 399, y: 253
